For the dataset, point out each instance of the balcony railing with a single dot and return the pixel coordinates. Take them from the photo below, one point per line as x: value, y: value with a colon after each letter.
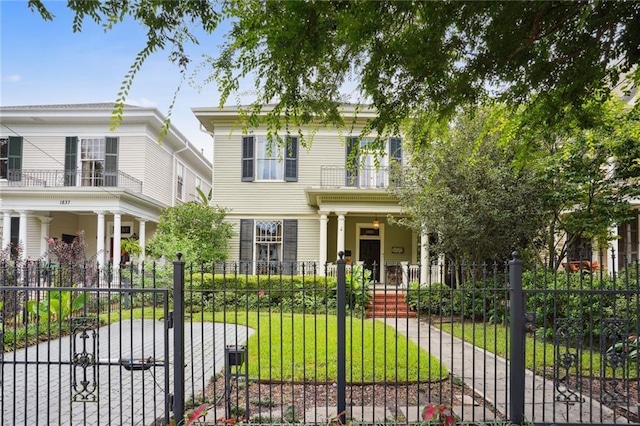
x: 364, y: 177
x: 41, y: 178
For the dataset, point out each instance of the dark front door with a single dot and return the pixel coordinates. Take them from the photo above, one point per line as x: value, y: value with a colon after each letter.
x: 370, y: 256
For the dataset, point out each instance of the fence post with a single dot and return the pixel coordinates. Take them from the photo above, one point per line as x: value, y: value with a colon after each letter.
x: 342, y: 345
x: 178, y: 339
x: 516, y: 358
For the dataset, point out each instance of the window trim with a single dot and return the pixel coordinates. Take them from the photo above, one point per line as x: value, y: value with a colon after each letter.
x: 287, y: 158
x: 180, y: 180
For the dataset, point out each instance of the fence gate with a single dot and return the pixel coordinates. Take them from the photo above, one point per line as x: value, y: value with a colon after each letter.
x: 580, y: 332
x: 77, y: 356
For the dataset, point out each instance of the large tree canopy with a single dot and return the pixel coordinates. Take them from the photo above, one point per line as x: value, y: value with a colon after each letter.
x: 400, y: 56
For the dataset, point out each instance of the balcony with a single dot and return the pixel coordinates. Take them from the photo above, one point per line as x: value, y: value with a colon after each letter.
x: 363, y: 178
x: 41, y: 178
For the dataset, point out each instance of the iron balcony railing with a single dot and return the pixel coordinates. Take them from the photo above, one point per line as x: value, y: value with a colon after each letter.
x: 43, y: 178
x: 363, y: 177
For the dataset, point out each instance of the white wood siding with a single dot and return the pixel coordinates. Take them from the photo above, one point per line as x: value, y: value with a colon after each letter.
x: 271, y: 197
x: 159, y: 173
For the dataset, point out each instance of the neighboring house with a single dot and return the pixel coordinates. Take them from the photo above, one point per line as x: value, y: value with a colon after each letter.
x: 294, y: 204
x: 62, y: 170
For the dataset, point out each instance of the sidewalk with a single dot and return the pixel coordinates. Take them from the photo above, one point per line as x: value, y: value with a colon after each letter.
x: 488, y: 376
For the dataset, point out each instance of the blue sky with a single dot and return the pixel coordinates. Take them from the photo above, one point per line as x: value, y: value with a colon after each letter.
x: 44, y: 62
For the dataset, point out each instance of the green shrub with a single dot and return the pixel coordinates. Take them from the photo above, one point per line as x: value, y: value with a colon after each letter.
x: 592, y: 298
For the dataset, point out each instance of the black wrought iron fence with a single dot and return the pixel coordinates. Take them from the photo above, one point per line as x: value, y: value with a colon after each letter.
x: 475, y: 343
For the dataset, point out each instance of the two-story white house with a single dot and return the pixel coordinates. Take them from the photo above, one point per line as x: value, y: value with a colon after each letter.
x: 63, y: 170
x: 293, y: 204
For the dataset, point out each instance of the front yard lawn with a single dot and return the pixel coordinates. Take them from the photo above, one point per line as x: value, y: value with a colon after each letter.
x: 539, y: 356
x: 297, y: 347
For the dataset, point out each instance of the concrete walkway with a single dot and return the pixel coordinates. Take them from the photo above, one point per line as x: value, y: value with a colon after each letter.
x: 488, y: 376
x: 41, y: 392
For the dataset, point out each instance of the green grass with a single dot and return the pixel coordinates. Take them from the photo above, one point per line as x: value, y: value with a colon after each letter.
x: 291, y: 346
x: 539, y: 356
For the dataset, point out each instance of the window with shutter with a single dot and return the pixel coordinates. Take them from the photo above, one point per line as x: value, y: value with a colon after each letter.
x: 291, y: 159
x: 351, y: 161
x: 247, y: 158
x: 395, y: 153
x: 264, y: 160
x: 290, y: 246
x: 70, y: 161
x: 111, y: 163
x: 246, y: 241
x: 11, y: 158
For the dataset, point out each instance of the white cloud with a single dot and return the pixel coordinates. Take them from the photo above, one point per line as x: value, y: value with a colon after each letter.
x: 13, y: 78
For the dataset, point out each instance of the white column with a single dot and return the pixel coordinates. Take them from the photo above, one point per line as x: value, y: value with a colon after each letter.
x: 340, y: 232
x: 6, y: 229
x: 142, y: 239
x: 44, y: 234
x: 425, y: 261
x: 22, y: 233
x: 322, y: 259
x: 117, y: 223
x: 100, y: 239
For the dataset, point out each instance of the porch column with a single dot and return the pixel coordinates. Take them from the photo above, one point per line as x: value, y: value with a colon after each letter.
x: 117, y: 223
x: 322, y: 259
x: 44, y: 234
x: 340, y: 247
x: 142, y: 240
x: 425, y: 261
x: 100, y: 239
x: 22, y: 234
x: 612, y: 250
x: 6, y: 229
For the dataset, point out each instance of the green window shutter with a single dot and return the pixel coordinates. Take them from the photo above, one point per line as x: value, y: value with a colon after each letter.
x: 70, y: 160
x: 246, y: 243
x: 291, y: 159
x: 111, y: 162
x: 248, y: 144
x: 395, y: 149
x: 395, y: 166
x: 290, y: 245
x: 14, y: 158
x: 351, y: 161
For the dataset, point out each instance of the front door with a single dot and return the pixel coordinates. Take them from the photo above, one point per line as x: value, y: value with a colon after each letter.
x: 370, y: 256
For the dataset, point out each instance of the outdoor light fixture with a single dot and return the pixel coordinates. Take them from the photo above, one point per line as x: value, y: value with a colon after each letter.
x: 376, y: 223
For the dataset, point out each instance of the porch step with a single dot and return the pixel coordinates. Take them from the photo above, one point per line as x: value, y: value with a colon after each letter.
x: 388, y: 304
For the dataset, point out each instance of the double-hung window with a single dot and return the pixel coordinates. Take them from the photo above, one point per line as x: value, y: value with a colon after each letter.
x: 270, y: 244
x: 369, y: 165
x: 264, y: 159
x: 91, y: 161
x: 180, y: 181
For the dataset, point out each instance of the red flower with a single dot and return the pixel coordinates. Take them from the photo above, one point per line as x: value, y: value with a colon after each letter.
x: 260, y: 293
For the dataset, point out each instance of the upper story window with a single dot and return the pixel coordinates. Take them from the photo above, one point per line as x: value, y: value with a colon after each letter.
x: 97, y: 164
x: 180, y: 181
x: 368, y: 165
x: 92, y: 159
x: 11, y: 158
x: 265, y: 160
